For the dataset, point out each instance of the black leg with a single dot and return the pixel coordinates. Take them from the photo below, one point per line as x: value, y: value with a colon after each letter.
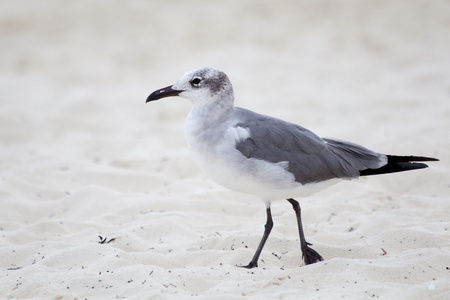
x: 309, y: 255
x: 267, y: 228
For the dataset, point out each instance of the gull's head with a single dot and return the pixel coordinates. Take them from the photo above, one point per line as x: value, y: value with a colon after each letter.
x: 203, y: 86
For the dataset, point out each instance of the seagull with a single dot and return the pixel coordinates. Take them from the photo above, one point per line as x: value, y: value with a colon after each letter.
x: 268, y: 157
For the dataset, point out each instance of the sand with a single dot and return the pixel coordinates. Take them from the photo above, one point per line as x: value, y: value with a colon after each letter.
x: 83, y: 156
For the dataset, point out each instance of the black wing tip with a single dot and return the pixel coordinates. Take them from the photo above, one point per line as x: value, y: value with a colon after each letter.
x: 393, y: 168
x: 397, y: 163
x: 396, y: 158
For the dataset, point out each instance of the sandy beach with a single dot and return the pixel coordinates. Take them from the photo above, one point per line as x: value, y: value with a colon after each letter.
x: 100, y: 199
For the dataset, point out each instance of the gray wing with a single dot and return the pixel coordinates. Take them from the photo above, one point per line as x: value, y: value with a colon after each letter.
x: 311, y: 158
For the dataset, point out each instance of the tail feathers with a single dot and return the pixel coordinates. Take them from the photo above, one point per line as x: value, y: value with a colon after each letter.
x: 399, y: 164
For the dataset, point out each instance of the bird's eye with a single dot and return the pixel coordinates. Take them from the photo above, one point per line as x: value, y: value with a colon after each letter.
x: 196, y: 81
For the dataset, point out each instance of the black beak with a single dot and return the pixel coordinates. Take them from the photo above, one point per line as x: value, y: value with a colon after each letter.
x: 162, y: 93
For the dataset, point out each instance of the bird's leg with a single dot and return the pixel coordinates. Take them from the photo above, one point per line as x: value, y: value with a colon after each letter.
x: 267, y: 228
x: 309, y: 255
